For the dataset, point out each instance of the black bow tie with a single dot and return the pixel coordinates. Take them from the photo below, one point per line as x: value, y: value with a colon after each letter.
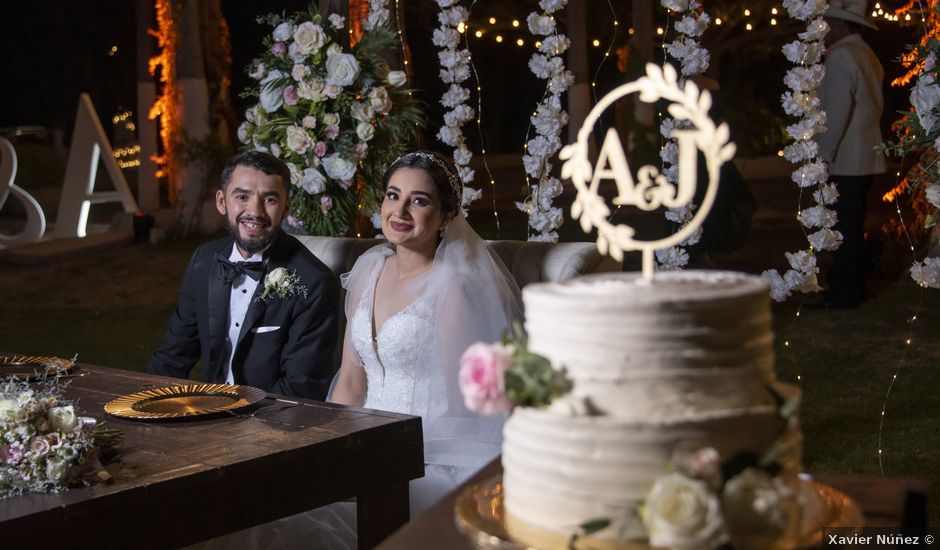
x: 229, y: 271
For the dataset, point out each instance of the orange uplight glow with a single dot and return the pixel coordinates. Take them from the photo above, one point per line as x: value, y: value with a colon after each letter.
x: 166, y: 107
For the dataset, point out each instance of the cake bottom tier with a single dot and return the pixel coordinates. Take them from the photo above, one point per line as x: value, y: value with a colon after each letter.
x: 561, y: 472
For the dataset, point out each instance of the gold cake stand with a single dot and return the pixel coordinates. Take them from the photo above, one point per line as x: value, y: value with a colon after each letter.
x: 480, y: 516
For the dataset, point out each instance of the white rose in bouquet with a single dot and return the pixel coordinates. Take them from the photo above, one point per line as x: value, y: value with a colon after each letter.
x: 295, y: 174
x: 933, y: 195
x: 309, y: 38
x: 283, y: 32
x: 397, y: 78
x: 298, y: 140
x: 380, y: 100
x: 363, y: 112
x: 311, y: 89
x: 244, y: 132
x: 7, y: 406
x: 272, y: 97
x: 57, y: 469
x: 365, y: 131
x: 341, y: 69
x: 313, y: 181
x: 330, y: 119
x: 339, y: 168
x: 63, y: 419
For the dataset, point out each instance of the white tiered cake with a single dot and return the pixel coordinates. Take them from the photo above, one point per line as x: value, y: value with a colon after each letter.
x: 677, y: 363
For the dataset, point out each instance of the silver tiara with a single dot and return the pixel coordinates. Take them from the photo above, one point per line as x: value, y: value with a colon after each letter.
x: 455, y: 183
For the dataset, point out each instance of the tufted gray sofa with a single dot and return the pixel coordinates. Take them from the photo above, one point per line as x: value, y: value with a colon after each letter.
x: 528, y: 262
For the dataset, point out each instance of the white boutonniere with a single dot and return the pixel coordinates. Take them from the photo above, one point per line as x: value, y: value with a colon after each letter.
x: 281, y: 283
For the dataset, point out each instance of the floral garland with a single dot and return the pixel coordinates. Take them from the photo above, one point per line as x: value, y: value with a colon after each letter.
x: 693, y: 59
x: 455, y: 69
x: 919, y: 136
x: 549, y: 120
x: 337, y: 116
x: 801, y: 101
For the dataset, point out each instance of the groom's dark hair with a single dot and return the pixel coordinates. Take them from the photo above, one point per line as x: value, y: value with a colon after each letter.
x: 265, y: 162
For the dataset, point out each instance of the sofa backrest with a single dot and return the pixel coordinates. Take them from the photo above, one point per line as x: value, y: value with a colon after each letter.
x: 529, y: 262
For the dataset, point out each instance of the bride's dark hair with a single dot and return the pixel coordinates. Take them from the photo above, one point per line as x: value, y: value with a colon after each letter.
x: 441, y: 171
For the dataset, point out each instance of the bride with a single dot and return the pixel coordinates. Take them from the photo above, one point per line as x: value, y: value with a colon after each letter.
x: 414, y: 305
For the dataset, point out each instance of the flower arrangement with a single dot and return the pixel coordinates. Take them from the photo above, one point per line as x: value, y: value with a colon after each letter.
x: 801, y: 101
x: 455, y: 69
x: 282, y: 284
x: 919, y: 137
x: 44, y: 445
x: 693, y: 59
x: 335, y: 114
x: 495, y: 377
x: 548, y: 120
x: 700, y: 502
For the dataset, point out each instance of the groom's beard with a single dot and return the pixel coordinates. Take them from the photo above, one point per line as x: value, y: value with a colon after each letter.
x: 249, y: 244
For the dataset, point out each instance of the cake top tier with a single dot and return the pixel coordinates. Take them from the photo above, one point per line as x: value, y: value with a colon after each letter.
x: 631, y: 289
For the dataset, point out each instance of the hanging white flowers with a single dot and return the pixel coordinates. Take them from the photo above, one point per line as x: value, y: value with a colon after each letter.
x: 693, y: 59
x: 549, y: 120
x: 455, y: 69
x: 801, y: 101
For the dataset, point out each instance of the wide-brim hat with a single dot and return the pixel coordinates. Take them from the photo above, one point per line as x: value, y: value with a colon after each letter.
x: 851, y: 10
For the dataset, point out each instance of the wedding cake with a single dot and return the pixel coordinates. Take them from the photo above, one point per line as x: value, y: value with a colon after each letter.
x: 664, y: 371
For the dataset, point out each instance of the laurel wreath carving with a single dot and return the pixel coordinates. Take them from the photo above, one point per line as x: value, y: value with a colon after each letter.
x: 686, y: 104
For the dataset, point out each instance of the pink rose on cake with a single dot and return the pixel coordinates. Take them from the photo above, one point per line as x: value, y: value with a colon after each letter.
x: 483, y: 377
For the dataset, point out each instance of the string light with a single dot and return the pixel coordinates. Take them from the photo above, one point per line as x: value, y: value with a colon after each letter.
x: 747, y: 13
x: 499, y: 38
x: 492, y: 20
x: 478, y: 34
x: 515, y: 23
x: 717, y: 21
x: 748, y: 26
x: 596, y: 43
x: 520, y: 42
x: 461, y: 28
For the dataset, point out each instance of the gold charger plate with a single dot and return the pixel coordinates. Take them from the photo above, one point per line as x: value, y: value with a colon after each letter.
x: 183, y: 401
x: 480, y: 516
x: 33, y: 366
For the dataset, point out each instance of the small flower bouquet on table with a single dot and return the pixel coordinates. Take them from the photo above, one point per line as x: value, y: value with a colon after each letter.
x: 335, y: 114
x: 44, y: 445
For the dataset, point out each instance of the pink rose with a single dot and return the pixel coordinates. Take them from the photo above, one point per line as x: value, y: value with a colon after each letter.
x: 320, y: 148
x: 326, y: 203
x: 290, y: 95
x: 361, y: 150
x: 332, y: 131
x: 11, y: 453
x: 278, y: 48
x: 483, y: 377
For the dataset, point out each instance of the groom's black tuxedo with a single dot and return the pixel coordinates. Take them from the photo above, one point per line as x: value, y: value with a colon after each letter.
x: 292, y: 355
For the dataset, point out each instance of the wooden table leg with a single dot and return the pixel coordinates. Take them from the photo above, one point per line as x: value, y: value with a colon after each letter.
x: 380, y: 512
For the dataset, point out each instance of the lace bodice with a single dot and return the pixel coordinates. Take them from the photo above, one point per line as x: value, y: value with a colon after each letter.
x: 390, y: 360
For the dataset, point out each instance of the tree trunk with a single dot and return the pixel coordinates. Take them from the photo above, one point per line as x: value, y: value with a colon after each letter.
x: 148, y: 190
x: 642, y: 45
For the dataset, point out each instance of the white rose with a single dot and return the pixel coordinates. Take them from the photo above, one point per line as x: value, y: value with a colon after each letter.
x: 300, y: 72
x: 298, y: 140
x: 365, y: 131
x: 397, y: 78
x: 244, y: 132
x: 756, y: 504
x: 334, y: 49
x: 295, y: 173
x: 313, y: 181
x: 380, y: 100
x: 275, y: 277
x: 682, y: 513
x: 311, y: 89
x: 933, y: 195
x: 339, y: 168
x: 283, y: 31
x: 330, y: 119
x: 337, y: 21
x: 924, y: 98
x: 56, y: 469
x: 309, y: 38
x: 363, y: 112
x: 341, y: 69
x: 63, y: 418
x: 257, y: 70
x: 272, y: 97
x: 7, y: 405
x: 675, y: 5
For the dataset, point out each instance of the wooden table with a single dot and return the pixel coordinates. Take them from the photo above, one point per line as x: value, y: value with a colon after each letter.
x: 186, y: 481
x: 885, y: 501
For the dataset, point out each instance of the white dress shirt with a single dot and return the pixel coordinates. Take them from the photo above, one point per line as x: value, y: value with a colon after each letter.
x: 243, y: 289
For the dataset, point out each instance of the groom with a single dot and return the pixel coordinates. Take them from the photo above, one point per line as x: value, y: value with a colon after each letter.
x: 256, y: 306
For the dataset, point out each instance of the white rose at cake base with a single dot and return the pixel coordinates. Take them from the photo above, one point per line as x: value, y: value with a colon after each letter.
x: 675, y: 431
